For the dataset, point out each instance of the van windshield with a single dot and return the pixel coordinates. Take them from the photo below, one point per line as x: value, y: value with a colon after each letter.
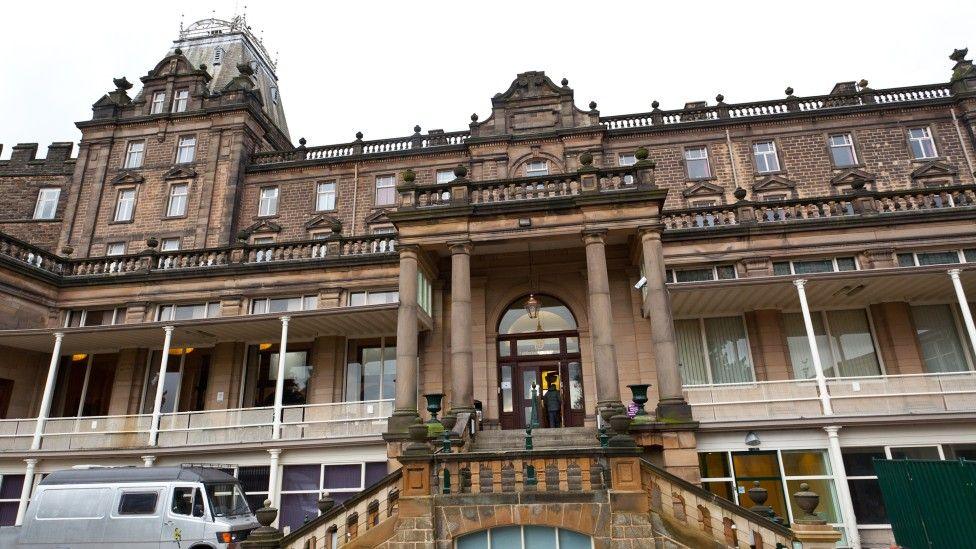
x: 227, y: 499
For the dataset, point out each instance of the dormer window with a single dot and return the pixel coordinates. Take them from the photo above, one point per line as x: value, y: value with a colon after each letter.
x: 180, y: 100
x: 922, y: 144
x: 158, y: 102
x: 537, y: 168
x: 134, y: 154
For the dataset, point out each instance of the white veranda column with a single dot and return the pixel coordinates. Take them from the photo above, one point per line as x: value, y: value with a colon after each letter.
x: 273, y: 478
x: 967, y: 315
x: 147, y: 461
x: 843, y: 490
x: 160, y: 385
x: 52, y: 376
x: 26, y: 490
x: 814, y: 351
x: 280, y: 382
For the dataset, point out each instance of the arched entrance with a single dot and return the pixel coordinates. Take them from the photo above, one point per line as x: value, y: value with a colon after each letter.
x: 525, y: 537
x: 539, y: 345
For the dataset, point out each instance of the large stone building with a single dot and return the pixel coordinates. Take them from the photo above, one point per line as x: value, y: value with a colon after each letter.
x: 789, y: 276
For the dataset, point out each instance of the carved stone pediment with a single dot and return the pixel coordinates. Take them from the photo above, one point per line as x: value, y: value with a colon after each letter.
x: 127, y: 178
x: 773, y: 183
x: 180, y: 172
x: 323, y: 221
x: 263, y: 226
x: 703, y: 188
x: 934, y: 169
x: 534, y: 103
x: 852, y: 177
x: 379, y: 216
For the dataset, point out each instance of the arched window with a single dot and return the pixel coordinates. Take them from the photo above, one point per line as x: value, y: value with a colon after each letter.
x: 553, y: 316
x: 525, y: 537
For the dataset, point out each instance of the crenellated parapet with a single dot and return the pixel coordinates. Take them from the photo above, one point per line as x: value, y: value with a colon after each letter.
x: 23, y: 160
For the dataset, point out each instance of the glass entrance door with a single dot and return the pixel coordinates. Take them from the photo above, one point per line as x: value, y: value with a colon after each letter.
x: 523, y: 382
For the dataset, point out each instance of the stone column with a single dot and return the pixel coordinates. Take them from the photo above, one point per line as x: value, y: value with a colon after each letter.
x: 462, y: 374
x: 405, y: 403
x: 601, y: 326
x: 657, y: 305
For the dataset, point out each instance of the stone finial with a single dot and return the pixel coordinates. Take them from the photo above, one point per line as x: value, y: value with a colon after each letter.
x: 807, y: 500
x: 474, y: 117
x: 67, y: 250
x: 720, y: 98
x: 152, y: 242
x: 757, y: 493
x: 565, y: 82
x: 789, y: 91
x: 586, y: 159
x: 203, y: 67
x: 122, y: 84
x: 642, y: 154
x: 359, y: 136
x: 245, y: 69
x: 959, y: 55
x: 301, y: 141
x: 655, y: 104
x: 416, y: 129
x: 739, y: 193
x: 863, y: 84
x: 178, y: 51
x: 460, y: 171
x: 325, y: 503
x: 592, y: 105
x: 408, y: 175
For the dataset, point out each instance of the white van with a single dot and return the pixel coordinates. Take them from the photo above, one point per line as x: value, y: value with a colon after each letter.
x: 133, y: 507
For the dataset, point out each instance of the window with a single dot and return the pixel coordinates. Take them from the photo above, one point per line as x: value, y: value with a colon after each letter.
x: 187, y: 500
x: 188, y: 311
x: 718, y: 272
x: 134, y: 154
x: 948, y: 257
x: 713, y: 350
x: 303, y: 485
x: 186, y: 150
x: 764, y: 155
x: 536, y: 168
x: 10, y: 488
x: 47, y: 203
x: 371, y: 370
x: 169, y: 244
x: 862, y: 481
x: 921, y: 142
x: 373, y: 297
x: 158, y: 102
x: 325, y: 196
x: 268, y: 202
x: 177, y: 200
x: 180, y: 99
x: 627, y: 160
x: 696, y: 163
x: 115, y: 248
x: 810, y: 266
x: 385, y: 190
x: 284, y: 304
x: 524, y: 537
x: 445, y: 176
x: 93, y: 317
x: 254, y: 481
x: 125, y: 205
x: 262, y: 372
x: 138, y: 503
x: 842, y: 150
x: 844, y: 342
x: 938, y: 336
x: 424, y: 292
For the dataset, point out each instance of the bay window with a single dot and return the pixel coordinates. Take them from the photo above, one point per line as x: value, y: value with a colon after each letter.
x: 713, y: 350
x: 844, y: 342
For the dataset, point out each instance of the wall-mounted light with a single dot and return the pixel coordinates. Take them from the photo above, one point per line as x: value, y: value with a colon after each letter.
x: 752, y: 440
x: 641, y: 283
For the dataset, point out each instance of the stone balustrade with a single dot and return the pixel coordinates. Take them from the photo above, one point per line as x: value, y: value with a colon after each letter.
x: 359, y: 147
x: 521, y: 471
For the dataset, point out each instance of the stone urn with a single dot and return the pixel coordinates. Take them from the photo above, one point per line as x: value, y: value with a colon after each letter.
x: 266, y: 515
x: 449, y: 421
x: 621, y: 428
x: 807, y: 500
x: 639, y: 392
x: 325, y: 503
x: 152, y: 242
x: 434, y: 405
x: 739, y: 193
x: 758, y: 494
x: 418, y: 433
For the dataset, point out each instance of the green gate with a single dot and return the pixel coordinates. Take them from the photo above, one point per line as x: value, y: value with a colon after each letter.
x: 931, y: 504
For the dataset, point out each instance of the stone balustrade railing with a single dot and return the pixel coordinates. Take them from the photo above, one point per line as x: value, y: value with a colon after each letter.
x: 463, y: 191
x: 521, y: 471
x: 855, y: 205
x: 789, y: 105
x: 360, y: 147
x: 151, y: 260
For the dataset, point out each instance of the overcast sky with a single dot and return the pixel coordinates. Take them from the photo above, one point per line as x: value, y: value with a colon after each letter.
x: 381, y: 67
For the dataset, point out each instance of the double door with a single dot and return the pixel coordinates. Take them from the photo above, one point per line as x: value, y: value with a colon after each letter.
x: 523, y: 382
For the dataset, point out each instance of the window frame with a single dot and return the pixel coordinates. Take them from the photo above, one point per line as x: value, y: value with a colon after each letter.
x: 108, y: 248
x: 157, y: 104
x: 119, y: 201
x: 366, y: 293
x: 171, y: 195
x: 388, y: 182
x: 930, y: 136
x: 118, y: 316
x: 855, y: 158
x: 181, y: 100
x: 703, y: 336
x: 163, y: 241
x: 127, y: 162
x: 687, y: 162
x: 40, y: 202
x: 449, y: 173
x: 671, y: 274
x: 302, y: 298
x: 319, y: 194
x: 208, y: 306
x: 137, y: 490
x: 271, y: 201
x: 833, y: 261
x: 834, y: 351
x: 529, y: 171
x: 180, y: 148
x: 774, y: 153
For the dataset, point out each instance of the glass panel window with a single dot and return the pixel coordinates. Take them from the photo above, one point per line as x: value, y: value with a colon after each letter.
x: 694, y: 275
x: 696, y: 163
x: 268, y: 202
x: 177, y: 200
x: 728, y: 351
x: 138, y: 503
x: 506, y: 389
x: 373, y: 297
x: 180, y: 100
x: 817, y: 266
x: 916, y: 452
x: 115, y: 248
x: 537, y: 168
x: 371, y: 370
x: 691, y: 357
x: 575, y: 372
x: 846, y: 264
x: 922, y: 144
x: 158, y: 102
x: 938, y: 258
x: 169, y: 244
x: 850, y: 337
x: 186, y: 149
x: 713, y: 465
x: 725, y: 272
x: 134, y: 154
x: 842, y: 150
x: 796, y: 339
x: 626, y: 159
x: 125, y: 205
x: 445, y: 176
x: 47, y: 203
x: 765, y: 157
x: 906, y: 260
x: 188, y: 311
x: 325, y: 196
x: 781, y: 268
x: 935, y: 328
x: 385, y: 190
x: 805, y: 463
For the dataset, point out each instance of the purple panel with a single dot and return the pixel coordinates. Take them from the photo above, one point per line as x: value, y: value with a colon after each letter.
x: 8, y: 513
x: 300, y: 477
x: 295, y: 508
x: 11, y: 486
x: 342, y: 476
x: 339, y: 497
x: 375, y: 472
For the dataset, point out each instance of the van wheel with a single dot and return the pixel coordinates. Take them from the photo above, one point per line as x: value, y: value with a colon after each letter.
x: 201, y: 547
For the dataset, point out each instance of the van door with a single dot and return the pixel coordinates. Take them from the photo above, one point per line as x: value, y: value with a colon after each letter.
x: 136, y: 514
x: 186, y: 515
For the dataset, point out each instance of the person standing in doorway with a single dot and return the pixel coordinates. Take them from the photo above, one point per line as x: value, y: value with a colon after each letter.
x: 553, y: 402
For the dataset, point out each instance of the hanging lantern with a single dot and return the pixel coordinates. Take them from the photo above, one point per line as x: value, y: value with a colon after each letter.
x: 532, y: 306
x: 78, y: 357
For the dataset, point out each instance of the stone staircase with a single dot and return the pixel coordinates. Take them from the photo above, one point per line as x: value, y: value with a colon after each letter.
x: 542, y: 439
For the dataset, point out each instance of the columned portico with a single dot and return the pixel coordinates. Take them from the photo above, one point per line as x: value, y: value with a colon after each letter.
x: 671, y: 402
x: 462, y: 375
x: 601, y: 325
x: 405, y: 402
